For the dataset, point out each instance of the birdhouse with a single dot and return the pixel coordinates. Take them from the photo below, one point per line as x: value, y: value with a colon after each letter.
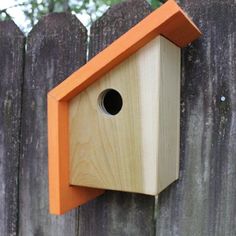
x: 115, y: 123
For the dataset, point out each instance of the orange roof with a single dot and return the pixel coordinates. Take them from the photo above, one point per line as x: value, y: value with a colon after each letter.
x: 169, y: 21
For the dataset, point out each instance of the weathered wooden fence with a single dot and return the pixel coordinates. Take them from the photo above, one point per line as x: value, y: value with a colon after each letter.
x: 201, y: 203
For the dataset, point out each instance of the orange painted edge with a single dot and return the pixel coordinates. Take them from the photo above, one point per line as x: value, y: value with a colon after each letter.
x: 169, y: 21
x: 62, y: 196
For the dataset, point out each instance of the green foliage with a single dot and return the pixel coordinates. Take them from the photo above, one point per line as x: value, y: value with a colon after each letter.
x: 4, y: 16
x: 155, y: 4
x: 35, y: 9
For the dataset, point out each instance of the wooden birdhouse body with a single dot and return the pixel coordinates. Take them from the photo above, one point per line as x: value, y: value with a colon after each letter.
x: 137, y: 149
x: 114, y: 123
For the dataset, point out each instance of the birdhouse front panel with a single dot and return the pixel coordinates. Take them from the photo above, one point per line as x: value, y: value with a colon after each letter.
x: 124, y: 128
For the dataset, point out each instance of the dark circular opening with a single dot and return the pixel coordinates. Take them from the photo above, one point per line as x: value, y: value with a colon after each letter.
x: 110, y: 101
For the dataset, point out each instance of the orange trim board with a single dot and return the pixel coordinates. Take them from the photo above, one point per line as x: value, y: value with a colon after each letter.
x: 62, y: 196
x: 169, y: 21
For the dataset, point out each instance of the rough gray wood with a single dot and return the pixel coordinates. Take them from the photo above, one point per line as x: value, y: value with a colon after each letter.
x: 11, y: 78
x: 55, y: 48
x: 203, y: 201
x: 115, y: 22
x: 117, y: 213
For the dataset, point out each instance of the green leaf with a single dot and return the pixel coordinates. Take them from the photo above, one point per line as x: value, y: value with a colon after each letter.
x: 156, y: 3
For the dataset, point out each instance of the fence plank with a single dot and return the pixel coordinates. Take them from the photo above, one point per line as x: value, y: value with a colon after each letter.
x: 117, y: 213
x: 115, y: 22
x: 55, y: 48
x: 203, y: 201
x: 11, y: 78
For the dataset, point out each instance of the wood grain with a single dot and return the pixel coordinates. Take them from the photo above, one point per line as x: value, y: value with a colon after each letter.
x: 55, y: 48
x: 203, y: 201
x: 168, y: 124
x: 117, y: 213
x: 136, y: 150
x: 11, y: 78
x: 117, y: 20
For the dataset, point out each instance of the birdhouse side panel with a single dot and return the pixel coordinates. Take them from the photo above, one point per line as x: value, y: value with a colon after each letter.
x: 169, y: 114
x: 118, y: 151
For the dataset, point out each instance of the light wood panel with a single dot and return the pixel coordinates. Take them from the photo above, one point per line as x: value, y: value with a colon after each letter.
x: 121, y: 152
x: 169, y: 115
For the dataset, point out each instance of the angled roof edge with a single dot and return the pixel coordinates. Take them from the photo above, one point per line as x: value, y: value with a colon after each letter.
x: 169, y: 21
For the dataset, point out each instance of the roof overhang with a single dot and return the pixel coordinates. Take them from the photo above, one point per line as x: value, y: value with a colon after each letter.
x: 169, y: 21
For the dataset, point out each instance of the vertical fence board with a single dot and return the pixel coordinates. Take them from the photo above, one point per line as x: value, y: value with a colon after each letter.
x: 11, y: 78
x: 55, y: 48
x: 117, y: 213
x: 203, y: 201
x: 115, y: 22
